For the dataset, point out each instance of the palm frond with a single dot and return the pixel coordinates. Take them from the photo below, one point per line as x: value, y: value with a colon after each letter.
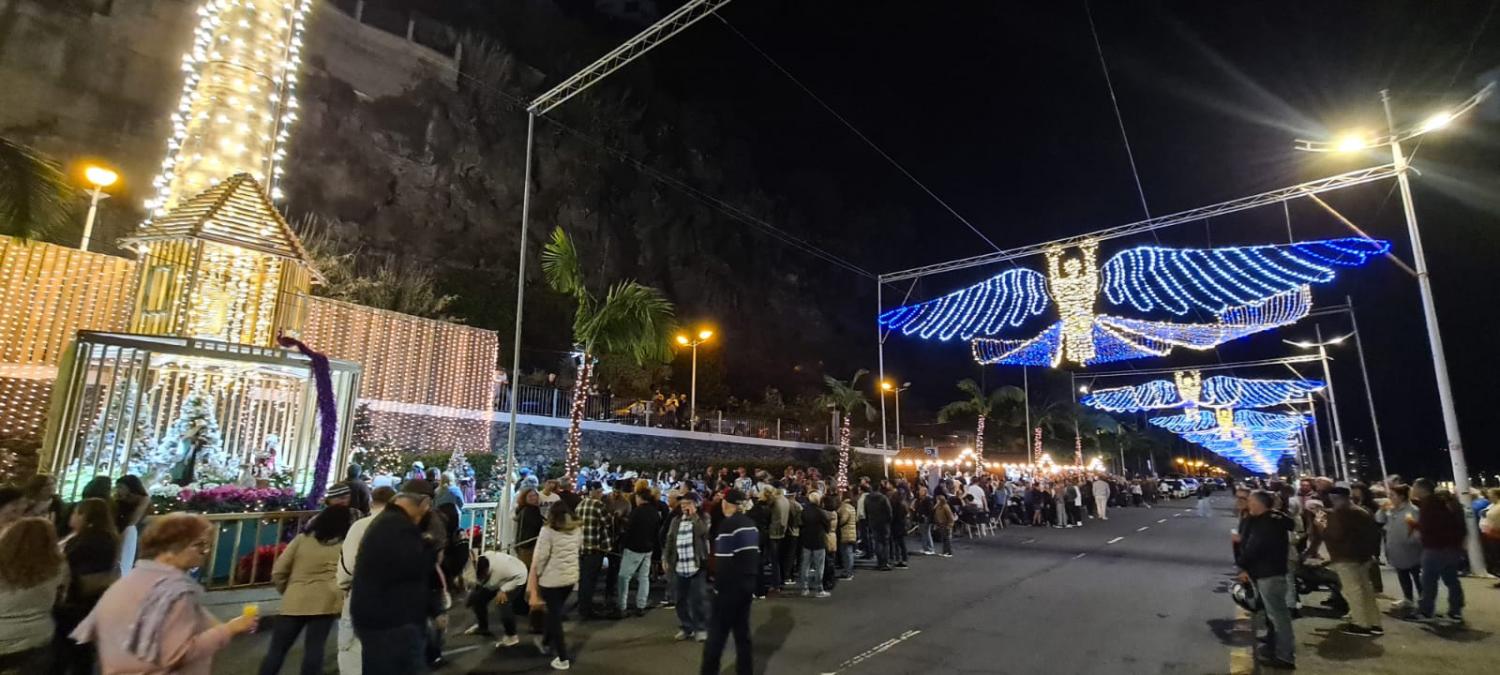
x: 633, y: 321
x: 35, y: 196
x: 563, y: 268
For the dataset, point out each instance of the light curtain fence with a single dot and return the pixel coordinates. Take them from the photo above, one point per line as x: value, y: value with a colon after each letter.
x: 545, y: 401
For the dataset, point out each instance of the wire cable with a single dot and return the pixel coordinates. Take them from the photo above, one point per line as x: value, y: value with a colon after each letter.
x: 1115, y: 102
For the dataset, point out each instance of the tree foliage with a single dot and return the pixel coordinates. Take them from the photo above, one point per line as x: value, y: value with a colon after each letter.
x: 35, y: 196
x: 399, y: 284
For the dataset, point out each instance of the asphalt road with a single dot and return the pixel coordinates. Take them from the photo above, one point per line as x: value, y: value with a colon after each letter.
x: 1140, y: 593
x: 1145, y: 592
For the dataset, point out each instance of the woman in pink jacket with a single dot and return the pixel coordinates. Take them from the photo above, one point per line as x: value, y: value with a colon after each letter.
x: 151, y: 621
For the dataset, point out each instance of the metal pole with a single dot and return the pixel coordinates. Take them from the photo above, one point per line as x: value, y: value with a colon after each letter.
x: 1026, y: 387
x: 1359, y: 347
x: 885, y: 441
x: 1434, y: 335
x: 897, y: 395
x: 693, y: 393
x: 1317, y: 434
x: 507, y: 524
x: 1341, y: 460
x: 88, y: 222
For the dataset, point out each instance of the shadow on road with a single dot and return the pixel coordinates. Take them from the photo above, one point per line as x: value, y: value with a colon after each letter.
x: 1224, y: 630
x: 771, y: 634
x: 1336, y: 646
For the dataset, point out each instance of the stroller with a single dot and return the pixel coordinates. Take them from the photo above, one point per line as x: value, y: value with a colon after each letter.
x: 1317, y: 577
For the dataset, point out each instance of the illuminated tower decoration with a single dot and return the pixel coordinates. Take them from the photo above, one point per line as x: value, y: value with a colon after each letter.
x: 218, y: 260
x: 238, y: 99
x: 1189, y: 386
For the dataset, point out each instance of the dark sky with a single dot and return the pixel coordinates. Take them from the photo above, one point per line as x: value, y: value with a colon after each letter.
x: 1001, y: 108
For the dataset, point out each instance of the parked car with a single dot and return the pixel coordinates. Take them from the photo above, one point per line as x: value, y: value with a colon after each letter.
x: 1171, y: 488
x: 1191, y: 485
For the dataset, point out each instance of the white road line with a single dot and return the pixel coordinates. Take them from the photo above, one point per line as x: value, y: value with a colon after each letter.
x: 1163, y: 520
x: 873, y: 651
x: 460, y: 650
x: 1080, y: 555
x: 1143, y: 528
x: 1114, y: 540
x: 1177, y: 515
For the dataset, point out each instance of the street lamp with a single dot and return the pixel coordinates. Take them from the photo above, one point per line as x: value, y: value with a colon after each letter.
x: 703, y: 335
x: 1433, y: 123
x: 889, y: 386
x: 1340, y: 461
x: 99, y: 177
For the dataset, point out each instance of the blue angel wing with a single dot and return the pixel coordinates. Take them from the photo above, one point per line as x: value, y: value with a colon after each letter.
x: 1232, y: 392
x: 1218, y: 279
x: 1006, y: 299
x: 1152, y: 395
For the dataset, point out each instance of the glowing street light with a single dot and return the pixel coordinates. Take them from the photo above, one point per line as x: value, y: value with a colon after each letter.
x: 703, y: 335
x: 1399, y: 159
x: 887, y: 386
x: 99, y: 177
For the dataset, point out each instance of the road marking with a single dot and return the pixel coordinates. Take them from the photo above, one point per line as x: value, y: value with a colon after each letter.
x: 1163, y: 520
x: 1028, y: 541
x: 1114, y: 540
x: 460, y: 650
x: 1080, y: 555
x: 1177, y: 515
x: 873, y: 651
x: 1143, y: 528
x: 1242, y: 659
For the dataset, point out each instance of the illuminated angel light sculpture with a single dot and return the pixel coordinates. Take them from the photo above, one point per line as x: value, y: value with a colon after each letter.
x: 1189, y: 389
x: 1246, y: 289
x: 1253, y: 439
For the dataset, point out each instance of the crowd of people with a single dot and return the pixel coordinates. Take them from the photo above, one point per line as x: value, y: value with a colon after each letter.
x: 85, y: 587
x: 1320, y: 536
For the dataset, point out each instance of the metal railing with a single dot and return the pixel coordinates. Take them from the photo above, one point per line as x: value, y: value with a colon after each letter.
x: 546, y: 401
x: 246, y: 545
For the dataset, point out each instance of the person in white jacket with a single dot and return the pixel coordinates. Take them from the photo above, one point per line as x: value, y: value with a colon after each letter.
x: 1101, y: 496
x: 349, y: 654
x: 499, y: 575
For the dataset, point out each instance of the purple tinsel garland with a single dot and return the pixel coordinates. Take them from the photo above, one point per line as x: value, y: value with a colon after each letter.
x: 328, y: 416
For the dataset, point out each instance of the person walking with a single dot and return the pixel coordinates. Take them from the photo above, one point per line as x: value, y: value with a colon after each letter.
x: 304, y: 574
x: 92, y: 552
x: 33, y: 575
x: 1353, y: 541
x: 1440, y: 520
x: 1403, y: 545
x: 685, y: 562
x: 499, y: 576
x: 1101, y: 497
x: 598, y: 532
x: 638, y: 540
x: 878, y: 518
x: 1262, y: 559
x: 347, y: 643
x: 152, y: 620
x: 942, y: 523
x: 1203, y: 500
x: 922, y: 511
x: 554, y: 570
x: 390, y: 593
x: 736, y: 557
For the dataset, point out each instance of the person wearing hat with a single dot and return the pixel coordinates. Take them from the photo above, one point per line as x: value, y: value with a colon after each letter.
x: 736, y: 551
x: 1353, y: 541
x: 685, y: 560
x: 388, y: 602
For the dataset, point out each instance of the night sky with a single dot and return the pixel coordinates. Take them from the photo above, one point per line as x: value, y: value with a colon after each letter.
x: 1002, y: 110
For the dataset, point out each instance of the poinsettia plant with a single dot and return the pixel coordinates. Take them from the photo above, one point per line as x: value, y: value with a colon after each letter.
x: 226, y: 499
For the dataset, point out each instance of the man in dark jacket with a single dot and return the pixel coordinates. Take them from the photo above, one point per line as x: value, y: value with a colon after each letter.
x: 388, y: 601
x: 1353, y: 541
x: 1440, y: 519
x: 638, y: 541
x: 878, y: 519
x: 685, y: 560
x: 899, y: 515
x: 736, y: 550
x: 1263, y: 552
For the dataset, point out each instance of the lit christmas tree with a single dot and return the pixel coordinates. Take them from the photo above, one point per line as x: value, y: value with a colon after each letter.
x: 193, y: 449
x: 457, y: 463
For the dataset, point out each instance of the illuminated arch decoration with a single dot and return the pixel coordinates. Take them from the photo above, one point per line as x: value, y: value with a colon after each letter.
x: 1247, y: 290
x: 1238, y: 421
x: 1189, y: 390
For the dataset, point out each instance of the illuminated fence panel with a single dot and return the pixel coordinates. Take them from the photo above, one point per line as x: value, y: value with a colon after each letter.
x: 47, y: 294
x: 429, y: 384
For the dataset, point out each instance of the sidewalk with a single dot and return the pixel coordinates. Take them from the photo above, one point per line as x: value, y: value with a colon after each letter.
x: 1406, y: 647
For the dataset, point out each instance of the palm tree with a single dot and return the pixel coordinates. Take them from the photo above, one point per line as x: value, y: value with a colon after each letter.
x: 1008, y: 402
x: 631, y: 321
x: 846, y: 397
x: 35, y: 196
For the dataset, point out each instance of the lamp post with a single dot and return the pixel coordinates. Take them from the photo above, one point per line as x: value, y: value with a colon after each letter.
x: 1340, y: 460
x: 1393, y: 140
x: 703, y: 336
x: 100, y: 178
x: 888, y: 386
